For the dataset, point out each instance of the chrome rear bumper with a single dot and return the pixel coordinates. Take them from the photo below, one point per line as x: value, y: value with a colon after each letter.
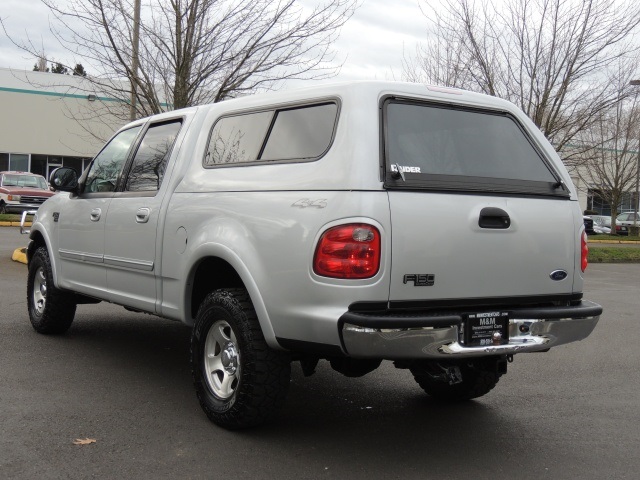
x: 418, y: 337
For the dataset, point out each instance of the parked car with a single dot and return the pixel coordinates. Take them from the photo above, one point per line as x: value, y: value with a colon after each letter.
x: 20, y: 191
x: 588, y: 225
x: 603, y: 222
x: 627, y: 219
x: 352, y: 223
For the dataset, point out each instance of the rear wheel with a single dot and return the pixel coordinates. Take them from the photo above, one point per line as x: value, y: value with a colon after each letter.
x: 454, y: 383
x: 51, y: 310
x: 240, y: 381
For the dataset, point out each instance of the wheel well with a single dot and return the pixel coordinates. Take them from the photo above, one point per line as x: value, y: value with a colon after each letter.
x: 37, y: 241
x: 211, y: 274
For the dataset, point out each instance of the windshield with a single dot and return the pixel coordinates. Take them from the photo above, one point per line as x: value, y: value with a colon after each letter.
x: 26, y: 181
x: 454, y: 148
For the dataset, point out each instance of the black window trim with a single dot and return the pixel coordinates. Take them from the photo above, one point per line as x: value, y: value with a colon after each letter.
x: 465, y: 184
x: 275, y: 109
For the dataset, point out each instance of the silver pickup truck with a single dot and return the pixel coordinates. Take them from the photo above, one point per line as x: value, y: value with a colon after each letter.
x: 353, y: 223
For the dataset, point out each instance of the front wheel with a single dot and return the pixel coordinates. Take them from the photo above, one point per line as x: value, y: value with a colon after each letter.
x: 51, y: 310
x: 240, y: 382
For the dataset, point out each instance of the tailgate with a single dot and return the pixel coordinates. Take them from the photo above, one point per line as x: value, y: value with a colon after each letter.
x: 478, y: 207
x: 441, y: 251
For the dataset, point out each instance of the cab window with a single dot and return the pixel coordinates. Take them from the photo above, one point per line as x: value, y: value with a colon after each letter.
x: 150, y: 160
x: 106, y: 167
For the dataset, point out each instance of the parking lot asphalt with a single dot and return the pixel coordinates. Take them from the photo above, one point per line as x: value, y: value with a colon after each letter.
x: 123, y: 379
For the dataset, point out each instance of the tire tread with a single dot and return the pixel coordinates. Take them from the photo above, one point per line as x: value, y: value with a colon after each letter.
x: 60, y: 307
x: 265, y: 372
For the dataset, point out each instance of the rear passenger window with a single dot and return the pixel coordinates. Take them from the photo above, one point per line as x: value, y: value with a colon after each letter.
x: 300, y: 133
x: 238, y: 139
x: 150, y: 161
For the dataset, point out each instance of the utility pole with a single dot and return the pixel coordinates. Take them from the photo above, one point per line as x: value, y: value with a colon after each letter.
x: 134, y: 59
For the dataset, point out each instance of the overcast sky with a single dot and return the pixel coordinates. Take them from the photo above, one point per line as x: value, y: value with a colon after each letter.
x: 372, y: 41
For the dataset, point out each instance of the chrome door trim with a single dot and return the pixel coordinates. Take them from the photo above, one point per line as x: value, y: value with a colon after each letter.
x: 128, y: 263
x: 80, y: 256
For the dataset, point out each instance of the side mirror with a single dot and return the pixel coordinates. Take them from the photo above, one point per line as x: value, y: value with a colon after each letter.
x: 64, y: 179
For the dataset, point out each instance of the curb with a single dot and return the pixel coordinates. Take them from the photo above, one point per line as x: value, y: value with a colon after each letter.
x: 20, y: 255
x: 14, y: 224
x: 615, y: 242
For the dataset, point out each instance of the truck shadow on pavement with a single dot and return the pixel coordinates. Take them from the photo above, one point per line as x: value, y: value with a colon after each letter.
x: 132, y: 373
x: 155, y: 353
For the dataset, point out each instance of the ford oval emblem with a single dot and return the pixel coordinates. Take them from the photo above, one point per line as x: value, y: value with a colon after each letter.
x: 558, y: 275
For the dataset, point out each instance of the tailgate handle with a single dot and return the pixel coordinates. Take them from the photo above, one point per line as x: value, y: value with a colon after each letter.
x: 492, y: 217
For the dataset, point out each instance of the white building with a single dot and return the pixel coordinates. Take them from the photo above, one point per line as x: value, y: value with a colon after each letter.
x: 50, y: 121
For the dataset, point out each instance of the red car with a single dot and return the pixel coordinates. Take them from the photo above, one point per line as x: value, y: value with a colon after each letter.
x: 20, y: 191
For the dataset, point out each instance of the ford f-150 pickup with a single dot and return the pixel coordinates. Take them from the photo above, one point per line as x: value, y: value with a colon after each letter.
x: 353, y: 223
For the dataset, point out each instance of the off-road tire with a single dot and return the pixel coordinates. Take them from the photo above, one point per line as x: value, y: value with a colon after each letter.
x: 51, y: 310
x: 255, y: 391
x: 476, y: 382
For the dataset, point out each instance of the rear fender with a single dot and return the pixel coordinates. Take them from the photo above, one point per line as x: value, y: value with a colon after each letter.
x: 223, y: 252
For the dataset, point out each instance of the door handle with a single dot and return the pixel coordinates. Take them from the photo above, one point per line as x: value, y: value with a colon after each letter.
x: 142, y: 215
x: 95, y: 214
x: 494, y: 218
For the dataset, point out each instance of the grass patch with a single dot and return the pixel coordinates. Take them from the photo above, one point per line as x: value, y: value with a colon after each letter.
x: 13, y: 217
x: 613, y: 237
x: 614, y: 255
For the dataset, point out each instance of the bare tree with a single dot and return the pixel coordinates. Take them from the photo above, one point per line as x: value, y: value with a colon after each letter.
x: 610, y: 168
x: 549, y: 57
x: 198, y: 51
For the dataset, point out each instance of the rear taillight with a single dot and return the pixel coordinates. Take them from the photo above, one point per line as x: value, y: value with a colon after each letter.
x: 348, y: 251
x: 584, y: 249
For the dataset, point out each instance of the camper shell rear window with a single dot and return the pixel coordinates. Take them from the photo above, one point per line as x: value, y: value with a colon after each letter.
x: 444, y: 147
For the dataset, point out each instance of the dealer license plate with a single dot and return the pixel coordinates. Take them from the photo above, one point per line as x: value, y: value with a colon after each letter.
x: 486, y: 328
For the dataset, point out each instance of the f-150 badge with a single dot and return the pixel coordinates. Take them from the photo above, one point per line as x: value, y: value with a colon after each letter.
x: 420, y: 279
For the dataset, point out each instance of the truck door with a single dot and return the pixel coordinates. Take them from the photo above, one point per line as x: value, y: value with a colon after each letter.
x: 132, y: 222
x: 82, y: 222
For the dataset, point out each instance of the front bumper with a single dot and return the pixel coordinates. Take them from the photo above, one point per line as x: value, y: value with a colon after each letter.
x: 367, y: 335
x: 21, y: 207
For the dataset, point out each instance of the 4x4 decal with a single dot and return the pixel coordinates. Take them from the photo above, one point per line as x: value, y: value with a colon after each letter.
x: 307, y: 202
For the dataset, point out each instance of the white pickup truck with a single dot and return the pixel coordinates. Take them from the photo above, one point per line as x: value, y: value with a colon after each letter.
x: 354, y: 223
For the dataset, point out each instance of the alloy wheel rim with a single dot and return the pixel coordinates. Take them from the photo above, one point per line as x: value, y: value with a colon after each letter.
x: 222, y: 360
x: 40, y: 291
